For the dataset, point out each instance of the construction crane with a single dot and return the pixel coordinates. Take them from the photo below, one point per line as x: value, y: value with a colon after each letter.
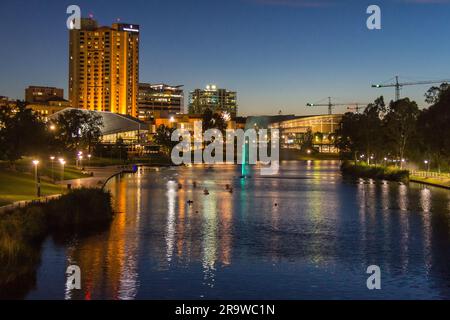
x: 398, y: 85
x: 331, y: 105
x: 356, y: 108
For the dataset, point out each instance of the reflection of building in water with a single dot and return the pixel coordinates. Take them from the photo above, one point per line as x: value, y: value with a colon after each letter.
x: 109, y: 266
x: 201, y: 232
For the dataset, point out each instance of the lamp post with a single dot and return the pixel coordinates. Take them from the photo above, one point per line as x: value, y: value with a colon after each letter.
x: 62, y: 162
x: 52, y: 159
x: 80, y: 158
x: 38, y: 188
x: 427, y: 163
x: 89, y: 157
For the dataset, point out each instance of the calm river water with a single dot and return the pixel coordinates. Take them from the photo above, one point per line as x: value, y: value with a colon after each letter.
x: 304, y: 234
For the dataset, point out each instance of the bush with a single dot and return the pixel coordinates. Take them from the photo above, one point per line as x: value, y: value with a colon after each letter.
x: 80, y: 208
x: 374, y: 172
x: 23, y: 230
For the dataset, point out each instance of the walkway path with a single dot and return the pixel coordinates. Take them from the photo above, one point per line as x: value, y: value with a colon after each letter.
x: 101, y: 174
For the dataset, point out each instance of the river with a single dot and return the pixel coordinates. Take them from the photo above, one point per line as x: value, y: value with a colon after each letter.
x: 306, y: 233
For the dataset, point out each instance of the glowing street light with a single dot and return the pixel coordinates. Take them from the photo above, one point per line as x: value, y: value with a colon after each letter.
x: 62, y: 162
x: 52, y: 159
x: 427, y: 163
x: 89, y: 157
x: 38, y: 187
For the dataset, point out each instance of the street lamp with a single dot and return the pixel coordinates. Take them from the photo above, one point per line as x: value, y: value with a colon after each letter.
x: 427, y: 163
x: 80, y: 157
x: 38, y: 187
x: 89, y: 157
x: 62, y: 162
x: 52, y: 159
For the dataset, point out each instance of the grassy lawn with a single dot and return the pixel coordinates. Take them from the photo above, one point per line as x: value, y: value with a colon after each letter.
x: 17, y: 186
x: 445, y: 182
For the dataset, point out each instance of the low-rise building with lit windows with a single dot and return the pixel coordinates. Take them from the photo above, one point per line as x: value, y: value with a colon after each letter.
x: 322, y: 127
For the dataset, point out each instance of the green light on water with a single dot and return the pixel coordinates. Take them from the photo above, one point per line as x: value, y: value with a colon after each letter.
x: 244, y: 153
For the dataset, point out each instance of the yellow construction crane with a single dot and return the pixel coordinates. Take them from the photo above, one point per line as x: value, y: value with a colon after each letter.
x: 399, y: 85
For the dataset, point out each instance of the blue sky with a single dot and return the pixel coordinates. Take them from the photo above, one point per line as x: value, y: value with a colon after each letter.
x: 278, y: 54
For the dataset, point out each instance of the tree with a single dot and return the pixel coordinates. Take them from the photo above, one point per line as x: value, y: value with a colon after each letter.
x: 307, y: 141
x: 400, y: 124
x: 163, y: 137
x: 433, y: 125
x: 78, y: 129
x: 433, y: 95
x: 211, y: 120
x: 363, y: 133
x: 22, y: 133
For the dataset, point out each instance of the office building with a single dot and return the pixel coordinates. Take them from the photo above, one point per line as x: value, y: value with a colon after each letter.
x: 159, y: 100
x: 104, y: 67
x: 213, y: 98
x: 38, y: 94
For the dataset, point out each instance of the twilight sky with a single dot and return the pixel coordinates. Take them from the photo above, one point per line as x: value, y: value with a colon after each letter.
x: 278, y: 54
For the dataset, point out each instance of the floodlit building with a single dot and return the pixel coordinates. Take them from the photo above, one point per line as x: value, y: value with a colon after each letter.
x: 104, y: 67
x: 5, y: 101
x: 159, y: 100
x: 118, y: 127
x: 39, y: 94
x: 50, y: 107
x: 213, y: 98
x: 322, y: 127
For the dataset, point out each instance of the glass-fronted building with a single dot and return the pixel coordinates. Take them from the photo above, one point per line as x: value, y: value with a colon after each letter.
x: 215, y: 99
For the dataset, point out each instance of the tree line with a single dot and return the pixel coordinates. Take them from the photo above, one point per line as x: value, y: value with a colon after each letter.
x: 399, y: 131
x: 25, y: 133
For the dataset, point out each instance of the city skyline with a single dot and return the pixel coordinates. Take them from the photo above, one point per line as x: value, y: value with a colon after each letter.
x: 276, y: 54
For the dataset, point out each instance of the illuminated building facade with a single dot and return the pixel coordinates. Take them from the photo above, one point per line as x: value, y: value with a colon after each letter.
x: 322, y: 127
x: 104, y: 67
x: 52, y: 106
x: 213, y: 98
x: 35, y: 94
x: 159, y: 100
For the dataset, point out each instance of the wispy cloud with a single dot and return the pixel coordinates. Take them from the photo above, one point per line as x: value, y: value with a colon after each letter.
x: 296, y: 3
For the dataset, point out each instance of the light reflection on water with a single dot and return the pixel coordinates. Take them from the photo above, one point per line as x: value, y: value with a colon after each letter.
x: 306, y: 233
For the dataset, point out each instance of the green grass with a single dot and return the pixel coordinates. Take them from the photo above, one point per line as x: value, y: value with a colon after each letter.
x: 70, y: 172
x: 17, y: 186
x: 432, y: 181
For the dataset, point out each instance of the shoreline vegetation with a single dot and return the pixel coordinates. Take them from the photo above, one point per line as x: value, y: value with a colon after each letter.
x: 23, y: 230
x: 349, y: 168
x: 362, y: 170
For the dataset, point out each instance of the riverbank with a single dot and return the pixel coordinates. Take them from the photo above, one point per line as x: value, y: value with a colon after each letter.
x: 375, y: 172
x: 441, y: 181
x: 23, y: 230
x: 295, y: 154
